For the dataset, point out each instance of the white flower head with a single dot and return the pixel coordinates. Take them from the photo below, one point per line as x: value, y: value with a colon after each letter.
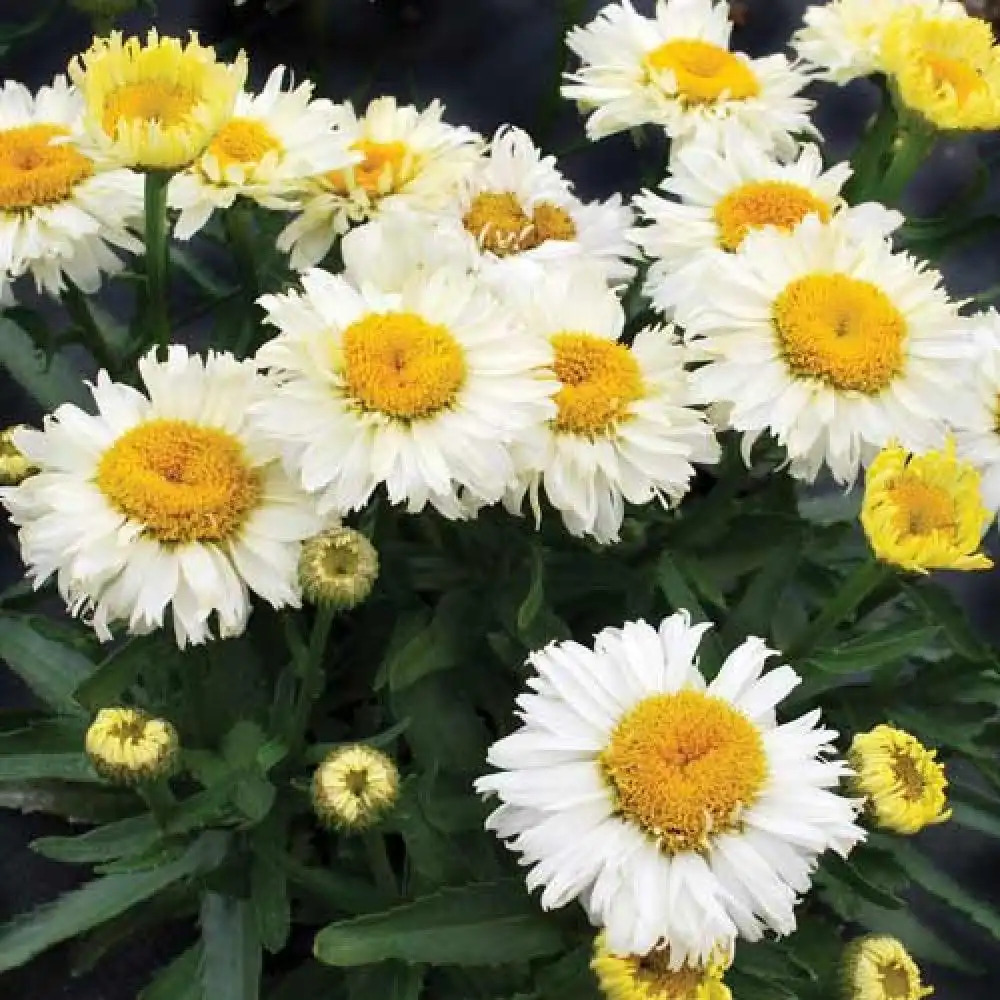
x: 60, y: 215
x: 675, y: 70
x: 623, y: 430
x: 678, y: 812
x: 409, y: 159
x: 163, y: 499
x: 831, y: 342
x: 267, y: 151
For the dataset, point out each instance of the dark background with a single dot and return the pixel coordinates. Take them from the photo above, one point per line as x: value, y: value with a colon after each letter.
x: 491, y: 61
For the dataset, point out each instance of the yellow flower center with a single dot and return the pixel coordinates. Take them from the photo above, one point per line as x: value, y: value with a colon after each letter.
x: 501, y: 225
x: 182, y: 482
x: 386, y: 167
x: 764, y: 203
x: 703, y: 72
x: 908, y: 774
x: 599, y: 380
x: 922, y: 507
x: 897, y: 982
x: 400, y: 365
x: 653, y: 972
x: 154, y: 102
x: 243, y: 140
x: 840, y: 330
x: 683, y: 767
x: 955, y: 74
x: 34, y: 171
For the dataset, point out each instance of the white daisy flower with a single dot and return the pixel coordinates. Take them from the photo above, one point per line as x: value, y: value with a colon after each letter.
x: 675, y: 70
x: 520, y: 216
x: 842, y: 39
x: 410, y: 159
x: 680, y: 814
x: 831, y: 342
x: 623, y: 430
x: 163, y: 499
x: 273, y: 143
x: 59, y: 214
x: 421, y: 390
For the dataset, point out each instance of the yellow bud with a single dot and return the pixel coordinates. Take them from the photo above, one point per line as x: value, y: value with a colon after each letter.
x: 338, y: 568
x: 14, y: 467
x: 128, y: 747
x: 354, y: 787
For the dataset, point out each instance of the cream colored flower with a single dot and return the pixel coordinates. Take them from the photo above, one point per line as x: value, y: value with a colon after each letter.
x: 128, y: 747
x: 354, y: 787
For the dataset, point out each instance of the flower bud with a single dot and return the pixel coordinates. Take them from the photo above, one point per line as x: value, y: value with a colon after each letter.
x: 128, y: 747
x: 354, y: 787
x: 878, y: 967
x: 14, y: 466
x: 338, y: 568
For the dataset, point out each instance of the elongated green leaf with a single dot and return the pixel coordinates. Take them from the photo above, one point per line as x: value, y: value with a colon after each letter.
x: 178, y: 980
x: 38, y: 766
x: 230, y: 949
x: 62, y: 735
x: 98, y: 901
x: 73, y: 802
x: 861, y: 881
x: 52, y: 669
x: 680, y: 595
x: 873, y: 650
x: 387, y: 981
x: 271, y: 907
x: 974, y: 809
x: 339, y: 891
x: 481, y: 924
x: 115, y: 674
x: 50, y: 384
x: 941, y: 608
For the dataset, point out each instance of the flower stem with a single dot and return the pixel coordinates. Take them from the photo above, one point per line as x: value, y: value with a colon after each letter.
x: 157, y: 319
x: 909, y: 150
x: 160, y: 799
x: 852, y: 592
x: 871, y: 151
x: 239, y: 231
x: 312, y: 675
x: 385, y: 877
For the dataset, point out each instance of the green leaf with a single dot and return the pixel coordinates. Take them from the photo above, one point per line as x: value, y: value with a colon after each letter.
x: 974, y: 809
x: 530, y: 608
x: 271, y: 907
x: 74, y: 803
x: 335, y: 889
x: 480, y: 924
x: 38, y: 766
x: 942, y: 609
x: 52, y: 669
x: 50, y: 383
x: 58, y: 735
x: 230, y: 949
x: 386, y: 981
x: 117, y: 672
x: 104, y: 898
x: 178, y: 980
x: 859, y: 879
x: 874, y: 649
x: 679, y: 594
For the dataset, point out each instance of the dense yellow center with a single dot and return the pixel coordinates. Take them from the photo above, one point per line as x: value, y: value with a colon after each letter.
x: 908, y: 773
x: 182, y: 482
x: 399, y: 364
x: 840, y: 330
x: 501, y: 225
x: 922, y: 507
x: 683, y: 767
x: 386, y: 167
x: 154, y: 102
x: 897, y: 982
x: 599, y: 379
x: 654, y: 973
x: 954, y: 74
x: 243, y: 140
x: 34, y: 171
x: 764, y: 203
x: 703, y: 72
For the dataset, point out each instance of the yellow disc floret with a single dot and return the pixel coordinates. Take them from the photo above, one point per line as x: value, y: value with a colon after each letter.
x: 35, y: 170
x: 399, y: 364
x: 925, y: 512
x: 182, y: 482
x: 385, y: 168
x: 599, y: 380
x: 901, y: 780
x: 243, y: 141
x: 840, y: 330
x: 702, y: 73
x: 764, y: 203
x: 878, y: 967
x: 354, y: 787
x: 501, y: 224
x: 127, y: 746
x: 683, y: 767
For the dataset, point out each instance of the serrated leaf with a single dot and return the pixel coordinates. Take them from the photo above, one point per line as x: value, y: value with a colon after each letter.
x: 104, y: 898
x: 230, y: 949
x: 271, y: 907
x: 178, y: 980
x: 479, y: 924
x: 873, y: 650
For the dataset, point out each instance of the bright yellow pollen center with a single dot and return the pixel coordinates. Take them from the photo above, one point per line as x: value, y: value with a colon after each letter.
x: 155, y: 102
x: 243, y: 140
x: 400, y: 365
x: 501, y: 225
x: 764, y: 203
x: 955, y: 74
x: 840, y: 330
x: 182, y: 482
x: 907, y: 773
x: 384, y: 168
x: 703, y: 72
x: 922, y: 507
x: 683, y: 767
x: 599, y: 380
x: 34, y: 171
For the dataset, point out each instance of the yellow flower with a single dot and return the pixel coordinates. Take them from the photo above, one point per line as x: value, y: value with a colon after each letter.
x: 945, y: 68
x: 127, y: 746
x: 878, y: 967
x: 14, y: 467
x: 338, y: 568
x: 900, y: 778
x: 924, y: 512
x: 354, y: 787
x: 155, y: 106
x: 649, y: 977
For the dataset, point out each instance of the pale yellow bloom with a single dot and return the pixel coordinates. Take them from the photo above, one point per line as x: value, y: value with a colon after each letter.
x: 354, y: 787
x: 900, y: 778
x: 878, y: 967
x: 650, y: 977
x: 128, y: 746
x: 338, y: 568
x: 154, y: 106
x: 14, y: 466
x: 924, y: 512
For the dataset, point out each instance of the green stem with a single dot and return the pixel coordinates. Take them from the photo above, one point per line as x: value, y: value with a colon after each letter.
x: 312, y: 675
x: 871, y: 151
x: 239, y: 231
x: 852, y: 592
x: 76, y: 304
x: 160, y: 799
x: 385, y: 877
x: 157, y: 319
x: 909, y: 150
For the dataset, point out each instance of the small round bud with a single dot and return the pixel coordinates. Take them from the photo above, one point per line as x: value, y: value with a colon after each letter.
x: 338, y: 568
x: 354, y: 787
x: 128, y: 747
x: 14, y: 467
x: 878, y: 967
